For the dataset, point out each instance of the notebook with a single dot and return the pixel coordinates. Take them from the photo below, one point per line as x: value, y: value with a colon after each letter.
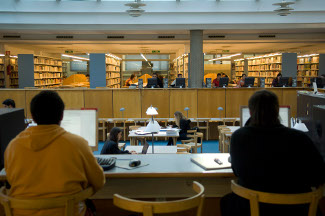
x: 208, y: 162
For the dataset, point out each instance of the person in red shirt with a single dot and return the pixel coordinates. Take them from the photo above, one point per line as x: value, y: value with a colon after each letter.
x: 215, y: 82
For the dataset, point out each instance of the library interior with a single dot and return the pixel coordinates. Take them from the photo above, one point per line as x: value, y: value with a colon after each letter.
x: 176, y: 107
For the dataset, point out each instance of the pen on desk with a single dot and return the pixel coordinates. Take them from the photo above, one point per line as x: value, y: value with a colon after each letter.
x: 218, y: 161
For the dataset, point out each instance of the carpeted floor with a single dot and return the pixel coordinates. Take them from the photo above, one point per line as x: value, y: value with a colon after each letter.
x: 210, y: 146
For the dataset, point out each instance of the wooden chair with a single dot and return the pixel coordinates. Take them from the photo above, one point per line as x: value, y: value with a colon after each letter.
x: 102, y: 126
x: 68, y: 202
x: 149, y: 208
x: 221, y: 141
x: 231, y: 120
x: 183, y: 149
x: 226, y: 139
x: 206, y: 127
x: 194, y: 142
x: 255, y: 197
x: 220, y: 127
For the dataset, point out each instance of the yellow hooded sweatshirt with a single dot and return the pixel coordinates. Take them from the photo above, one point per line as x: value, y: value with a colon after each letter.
x: 47, y: 161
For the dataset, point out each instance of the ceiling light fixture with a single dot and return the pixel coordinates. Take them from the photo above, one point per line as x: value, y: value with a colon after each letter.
x: 145, y: 59
x: 225, y: 57
x: 135, y: 8
x: 113, y: 56
x: 284, y: 9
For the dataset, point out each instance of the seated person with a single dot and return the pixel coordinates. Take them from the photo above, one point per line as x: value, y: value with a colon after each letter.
x: 286, y: 163
x: 241, y: 82
x: 9, y: 103
x: 160, y: 84
x: 276, y: 81
x: 111, y: 145
x: 130, y: 81
x: 46, y: 161
x: 174, y: 82
x: 215, y: 82
x: 183, y: 124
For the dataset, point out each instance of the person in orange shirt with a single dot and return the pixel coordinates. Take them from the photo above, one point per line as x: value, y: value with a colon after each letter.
x: 46, y: 161
x: 130, y: 81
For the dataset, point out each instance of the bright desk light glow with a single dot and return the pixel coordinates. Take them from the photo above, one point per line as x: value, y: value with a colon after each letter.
x: 301, y: 126
x: 151, y: 111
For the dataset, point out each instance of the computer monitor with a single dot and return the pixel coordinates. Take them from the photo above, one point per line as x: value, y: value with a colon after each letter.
x: 320, y: 82
x: 180, y: 82
x: 82, y: 123
x: 249, y: 81
x: 284, y: 82
x: 12, y: 123
x: 284, y: 115
x: 223, y: 82
x: 152, y: 83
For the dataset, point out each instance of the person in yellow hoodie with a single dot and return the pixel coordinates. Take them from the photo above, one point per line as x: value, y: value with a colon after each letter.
x: 46, y: 161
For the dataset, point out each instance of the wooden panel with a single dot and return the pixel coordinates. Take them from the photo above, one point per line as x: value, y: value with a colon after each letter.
x: 290, y: 98
x: 157, y: 98
x: 29, y: 96
x: 18, y: 95
x: 101, y: 99
x: 208, y: 102
x: 237, y: 97
x: 181, y: 98
x: 73, y: 99
x: 128, y: 99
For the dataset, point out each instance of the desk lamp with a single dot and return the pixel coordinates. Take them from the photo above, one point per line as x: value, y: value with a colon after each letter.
x: 301, y: 126
x: 186, y: 109
x: 122, y: 110
x: 220, y: 110
x: 153, y: 126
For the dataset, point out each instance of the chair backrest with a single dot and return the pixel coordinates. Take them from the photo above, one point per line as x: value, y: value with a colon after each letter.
x: 149, y: 208
x: 255, y: 197
x: 44, y: 203
x: 200, y: 135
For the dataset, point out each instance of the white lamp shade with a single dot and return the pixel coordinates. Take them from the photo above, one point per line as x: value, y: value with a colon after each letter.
x: 301, y: 126
x: 153, y: 127
x: 186, y: 109
x: 151, y: 111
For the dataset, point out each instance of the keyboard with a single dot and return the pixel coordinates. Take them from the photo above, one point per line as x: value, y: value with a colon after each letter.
x: 106, y: 163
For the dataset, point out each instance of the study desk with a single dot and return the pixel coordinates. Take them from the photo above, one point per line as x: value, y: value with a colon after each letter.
x: 157, y: 149
x: 133, y: 136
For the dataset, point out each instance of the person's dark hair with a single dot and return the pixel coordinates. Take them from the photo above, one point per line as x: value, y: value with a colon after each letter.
x: 132, y: 76
x: 113, y: 135
x: 243, y: 75
x: 9, y: 102
x: 279, y: 74
x: 47, y: 108
x: 219, y: 74
x: 264, y: 108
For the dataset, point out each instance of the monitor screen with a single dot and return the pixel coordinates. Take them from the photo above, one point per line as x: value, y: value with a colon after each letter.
x: 284, y: 115
x: 223, y: 82
x: 249, y: 82
x: 284, y: 82
x: 82, y: 123
x: 12, y: 123
x: 152, y: 82
x: 180, y: 82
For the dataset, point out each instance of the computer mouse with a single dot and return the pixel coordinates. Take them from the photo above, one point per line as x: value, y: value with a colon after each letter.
x: 134, y: 163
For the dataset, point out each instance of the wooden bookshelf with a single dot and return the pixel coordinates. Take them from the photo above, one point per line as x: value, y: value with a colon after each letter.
x: 182, y: 66
x: 13, y: 61
x: 239, y: 68
x: 267, y: 66
x: 308, y: 67
x: 47, y: 72
x: 2, y: 72
x: 113, y: 72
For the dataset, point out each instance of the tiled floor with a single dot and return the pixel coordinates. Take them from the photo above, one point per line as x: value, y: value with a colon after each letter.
x: 210, y: 146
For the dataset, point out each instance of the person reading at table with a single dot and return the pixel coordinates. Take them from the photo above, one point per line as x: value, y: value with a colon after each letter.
x: 286, y: 163
x: 46, y: 161
x: 111, y: 145
x: 183, y: 124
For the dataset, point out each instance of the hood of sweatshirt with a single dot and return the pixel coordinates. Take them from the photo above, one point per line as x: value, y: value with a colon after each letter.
x: 38, y: 137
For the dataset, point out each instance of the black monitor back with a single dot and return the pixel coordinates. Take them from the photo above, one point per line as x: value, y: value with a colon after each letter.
x: 249, y: 82
x: 180, y: 82
x: 284, y: 82
x: 320, y: 82
x: 152, y: 83
x: 223, y: 82
x: 12, y: 123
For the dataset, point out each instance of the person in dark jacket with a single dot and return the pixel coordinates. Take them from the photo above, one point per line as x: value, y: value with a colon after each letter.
x: 111, y: 145
x: 182, y: 123
x: 269, y: 157
x: 276, y: 81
